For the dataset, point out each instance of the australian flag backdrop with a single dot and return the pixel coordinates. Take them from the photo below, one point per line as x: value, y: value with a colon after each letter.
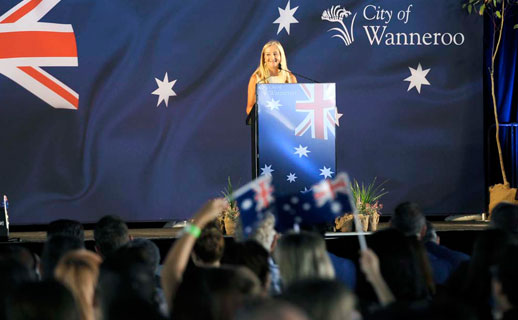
x: 137, y: 108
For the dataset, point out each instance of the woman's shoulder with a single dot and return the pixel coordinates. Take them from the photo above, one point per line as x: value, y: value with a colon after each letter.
x: 255, y: 76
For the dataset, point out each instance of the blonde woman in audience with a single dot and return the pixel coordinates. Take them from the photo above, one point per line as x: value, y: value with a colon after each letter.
x: 266, y: 235
x: 79, y: 270
x: 323, y: 299
x: 303, y: 256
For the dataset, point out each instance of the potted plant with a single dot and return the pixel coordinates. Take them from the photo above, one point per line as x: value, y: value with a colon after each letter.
x: 367, y: 204
x: 230, y: 216
x: 496, y: 11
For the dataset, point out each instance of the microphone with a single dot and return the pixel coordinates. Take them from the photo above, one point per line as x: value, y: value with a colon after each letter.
x: 297, y: 74
x: 261, y: 81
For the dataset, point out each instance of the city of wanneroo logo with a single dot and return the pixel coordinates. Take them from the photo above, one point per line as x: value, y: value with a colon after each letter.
x: 377, y: 23
x: 337, y: 14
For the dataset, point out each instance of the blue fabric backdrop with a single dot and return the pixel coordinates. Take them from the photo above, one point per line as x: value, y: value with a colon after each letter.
x: 506, y: 67
x: 412, y: 109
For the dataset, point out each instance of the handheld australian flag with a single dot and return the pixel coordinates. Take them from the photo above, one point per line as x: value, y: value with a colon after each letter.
x: 253, y: 200
x: 323, y: 203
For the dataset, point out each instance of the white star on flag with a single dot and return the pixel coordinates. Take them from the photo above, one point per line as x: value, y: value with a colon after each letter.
x: 301, y: 151
x: 306, y: 190
x: 267, y: 170
x: 286, y: 18
x: 165, y: 90
x: 336, y: 207
x: 273, y: 104
x: 247, y: 204
x: 417, y: 78
x: 291, y: 177
x: 326, y: 172
x: 337, y: 117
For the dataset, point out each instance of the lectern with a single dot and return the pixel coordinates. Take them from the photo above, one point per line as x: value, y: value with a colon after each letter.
x: 293, y: 134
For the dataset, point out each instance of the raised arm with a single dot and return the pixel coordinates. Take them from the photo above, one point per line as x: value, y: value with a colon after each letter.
x: 251, y: 93
x: 178, y: 256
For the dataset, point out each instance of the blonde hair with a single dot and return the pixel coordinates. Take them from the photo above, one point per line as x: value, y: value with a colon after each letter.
x: 265, y: 232
x: 262, y: 71
x: 79, y: 270
x: 303, y: 256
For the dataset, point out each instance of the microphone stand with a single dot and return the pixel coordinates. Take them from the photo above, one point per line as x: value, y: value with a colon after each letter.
x: 299, y: 75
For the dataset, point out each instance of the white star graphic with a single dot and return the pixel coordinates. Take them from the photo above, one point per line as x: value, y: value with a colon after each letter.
x: 337, y: 117
x: 165, y: 90
x: 286, y: 18
x: 247, y: 204
x: 273, y: 104
x: 306, y: 190
x: 267, y: 170
x: 301, y: 151
x: 417, y: 78
x: 291, y: 177
x: 336, y: 207
x: 326, y: 172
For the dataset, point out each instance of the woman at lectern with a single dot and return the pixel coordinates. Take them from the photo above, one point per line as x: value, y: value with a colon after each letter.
x: 273, y: 68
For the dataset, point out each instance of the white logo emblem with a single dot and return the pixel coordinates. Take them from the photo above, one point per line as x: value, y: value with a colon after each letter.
x: 337, y: 14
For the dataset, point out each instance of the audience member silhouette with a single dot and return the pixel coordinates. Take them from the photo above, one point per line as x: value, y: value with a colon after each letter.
x: 505, y: 217
x: 110, y: 233
x: 67, y: 227
x: 78, y: 270
x: 252, y: 255
x: 322, y: 299
x: 302, y: 256
x: 56, y: 247
x: 46, y: 300
x: 471, y: 283
x: 505, y: 284
x: 269, y: 309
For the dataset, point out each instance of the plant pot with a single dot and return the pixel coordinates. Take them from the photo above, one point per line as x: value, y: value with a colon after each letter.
x: 364, y: 219
x: 344, y: 223
x: 374, y: 220
x: 221, y: 223
x: 230, y: 225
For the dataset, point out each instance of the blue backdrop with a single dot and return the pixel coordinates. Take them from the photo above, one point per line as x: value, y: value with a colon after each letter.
x: 408, y: 80
x: 506, y: 66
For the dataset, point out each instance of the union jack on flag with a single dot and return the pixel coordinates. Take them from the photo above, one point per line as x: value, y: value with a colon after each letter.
x: 27, y: 44
x: 327, y: 190
x: 324, y: 202
x: 253, y: 199
x: 320, y: 108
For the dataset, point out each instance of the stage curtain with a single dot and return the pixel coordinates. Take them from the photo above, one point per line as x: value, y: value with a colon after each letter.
x: 506, y: 83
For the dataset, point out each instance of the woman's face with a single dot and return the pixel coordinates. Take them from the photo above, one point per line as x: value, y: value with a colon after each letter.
x: 272, y: 57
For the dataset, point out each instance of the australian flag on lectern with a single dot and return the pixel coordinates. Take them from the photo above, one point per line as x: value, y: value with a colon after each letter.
x: 297, y: 134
